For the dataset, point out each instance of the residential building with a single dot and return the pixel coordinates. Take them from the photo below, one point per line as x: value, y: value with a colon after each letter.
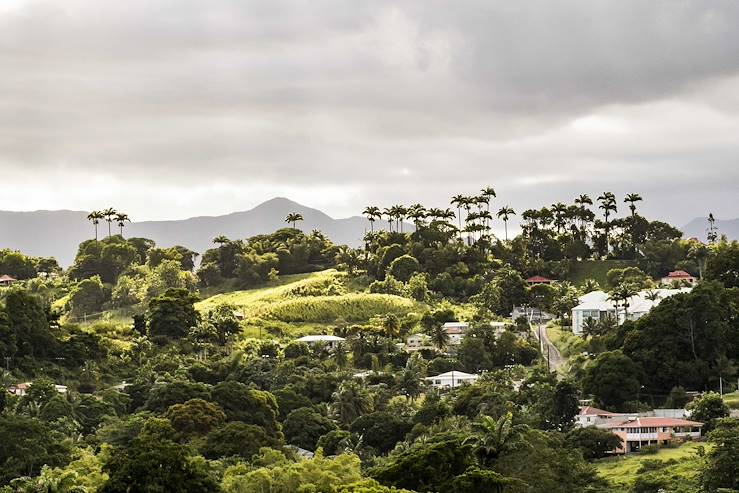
x: 6, y: 280
x: 539, y: 280
x: 680, y: 277
x: 456, y: 332
x: 21, y: 389
x: 416, y: 342
x: 452, y: 379
x: 331, y: 342
x: 598, y: 305
x: 639, y: 432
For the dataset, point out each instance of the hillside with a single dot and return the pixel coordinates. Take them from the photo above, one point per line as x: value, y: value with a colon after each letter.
x: 57, y: 233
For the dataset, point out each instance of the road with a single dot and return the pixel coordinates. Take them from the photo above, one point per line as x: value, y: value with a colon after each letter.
x: 548, y: 349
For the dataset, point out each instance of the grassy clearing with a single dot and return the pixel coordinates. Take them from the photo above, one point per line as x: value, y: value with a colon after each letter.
x: 596, y: 269
x: 678, y: 464
x: 732, y: 400
x: 568, y: 343
x: 306, y: 303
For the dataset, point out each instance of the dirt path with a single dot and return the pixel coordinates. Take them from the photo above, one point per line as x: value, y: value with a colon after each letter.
x: 548, y: 349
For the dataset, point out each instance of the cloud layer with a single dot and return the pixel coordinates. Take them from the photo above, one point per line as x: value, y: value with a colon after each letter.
x: 175, y: 108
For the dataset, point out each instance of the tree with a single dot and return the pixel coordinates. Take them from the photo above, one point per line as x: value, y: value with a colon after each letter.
x: 623, y: 293
x: 708, y: 409
x: 237, y: 439
x: 293, y: 218
x: 372, y: 213
x: 195, y: 417
x: 712, y: 229
x: 303, y: 427
x: 381, y: 430
x: 350, y: 401
x: 26, y: 444
x: 109, y: 214
x: 95, y: 217
x: 121, y: 219
x: 403, y: 267
x: 722, y: 469
x: 240, y: 403
x: 614, y: 379
x: 87, y: 297
x: 607, y: 205
x: 154, y: 463
x: 632, y: 199
x: 594, y: 443
x: 504, y: 214
x: 172, y: 315
x: 496, y: 436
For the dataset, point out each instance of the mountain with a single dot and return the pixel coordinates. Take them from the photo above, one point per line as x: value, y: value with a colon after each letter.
x: 698, y: 228
x: 58, y: 233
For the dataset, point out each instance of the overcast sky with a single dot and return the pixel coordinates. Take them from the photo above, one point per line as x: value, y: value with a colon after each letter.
x: 169, y: 109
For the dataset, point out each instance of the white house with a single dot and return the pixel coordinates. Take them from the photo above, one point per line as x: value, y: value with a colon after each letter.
x: 20, y: 389
x: 597, y: 305
x: 452, y: 379
x: 331, y: 342
x: 456, y: 332
x: 416, y: 342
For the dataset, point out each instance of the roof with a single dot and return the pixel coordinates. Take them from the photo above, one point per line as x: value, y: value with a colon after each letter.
x: 454, y: 374
x: 6, y: 277
x: 679, y: 274
x: 594, y: 411
x: 321, y: 338
x: 538, y: 279
x: 455, y: 330
x: 598, y: 300
x: 456, y: 324
x: 651, y: 422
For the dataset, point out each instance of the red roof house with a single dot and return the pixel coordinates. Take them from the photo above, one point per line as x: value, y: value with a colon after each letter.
x: 6, y: 280
x: 539, y: 280
x: 680, y: 276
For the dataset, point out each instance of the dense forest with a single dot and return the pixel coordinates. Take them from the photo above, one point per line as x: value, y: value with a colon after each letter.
x: 163, y: 369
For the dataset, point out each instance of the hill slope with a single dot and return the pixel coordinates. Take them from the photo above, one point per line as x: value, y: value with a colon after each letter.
x: 57, y: 233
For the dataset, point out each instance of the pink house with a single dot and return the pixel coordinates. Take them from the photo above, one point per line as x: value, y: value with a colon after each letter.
x: 680, y: 276
x: 638, y: 432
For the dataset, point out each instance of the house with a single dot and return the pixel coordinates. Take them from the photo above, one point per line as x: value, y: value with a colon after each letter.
x: 331, y: 342
x: 451, y: 379
x: 532, y: 281
x: 680, y: 277
x: 6, y: 280
x: 456, y: 332
x: 416, y: 342
x: 638, y: 432
x: 598, y: 305
x: 592, y: 416
x: 21, y: 389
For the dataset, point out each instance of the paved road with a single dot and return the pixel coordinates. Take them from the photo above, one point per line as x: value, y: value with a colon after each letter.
x: 556, y: 360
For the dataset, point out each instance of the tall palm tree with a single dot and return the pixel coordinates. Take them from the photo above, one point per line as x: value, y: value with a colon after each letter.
x: 108, y: 214
x: 712, y: 229
x: 632, y: 199
x: 439, y: 336
x: 608, y: 205
x: 121, y: 219
x: 458, y: 201
x: 293, y: 218
x: 373, y: 213
x: 95, y: 217
x: 417, y: 212
x: 582, y: 202
x: 389, y: 213
x: 220, y: 240
x: 560, y: 211
x: 503, y: 213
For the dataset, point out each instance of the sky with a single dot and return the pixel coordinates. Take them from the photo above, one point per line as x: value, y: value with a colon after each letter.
x: 170, y: 109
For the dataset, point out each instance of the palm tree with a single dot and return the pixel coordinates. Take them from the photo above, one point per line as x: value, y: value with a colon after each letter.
x: 652, y: 295
x: 95, y: 217
x: 560, y: 211
x: 389, y: 213
x: 503, y: 213
x: 622, y: 293
x: 372, y: 214
x: 417, y: 212
x: 608, y: 205
x: 439, y: 337
x: 582, y: 201
x: 121, y: 219
x: 632, y: 199
x: 108, y: 214
x: 495, y: 437
x: 293, y: 218
x: 220, y: 240
x: 458, y: 201
x: 350, y: 401
x: 712, y: 229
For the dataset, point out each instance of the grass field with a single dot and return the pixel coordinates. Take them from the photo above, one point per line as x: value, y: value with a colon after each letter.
x: 307, y: 303
x: 678, y: 465
x: 596, y: 269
